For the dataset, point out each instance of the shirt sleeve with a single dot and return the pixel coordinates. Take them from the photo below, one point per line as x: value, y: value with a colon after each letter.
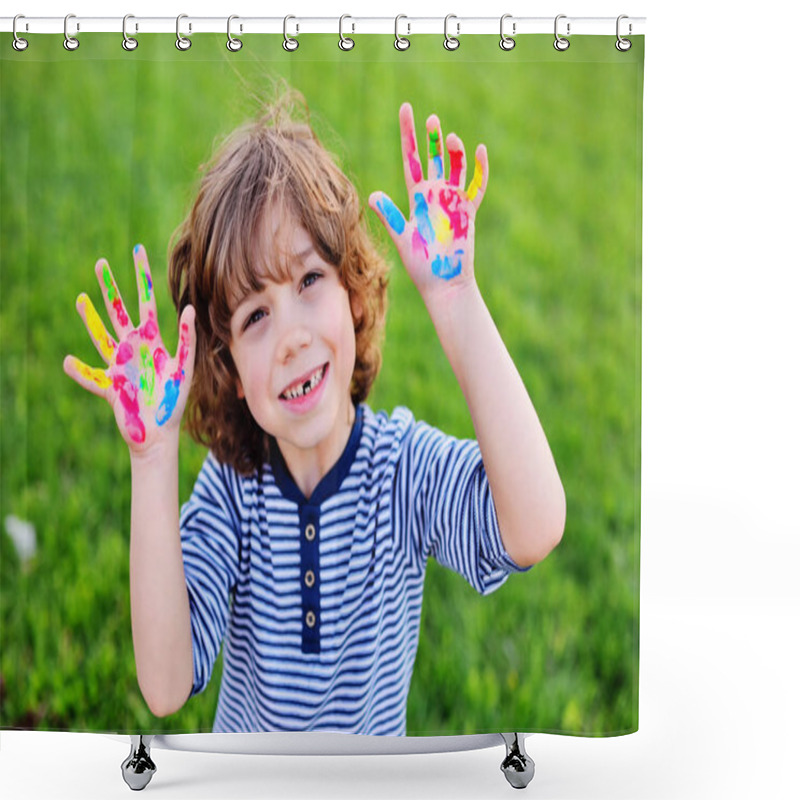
x: 453, y: 516
x: 210, y: 526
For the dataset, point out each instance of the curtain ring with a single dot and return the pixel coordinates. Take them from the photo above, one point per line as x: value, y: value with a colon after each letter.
x: 506, y: 42
x: 561, y: 43
x: 450, y: 42
x: 345, y: 42
x: 234, y: 44
x: 18, y: 44
x: 623, y: 45
x: 290, y: 44
x: 400, y: 42
x: 182, y: 43
x: 128, y: 42
x: 70, y: 42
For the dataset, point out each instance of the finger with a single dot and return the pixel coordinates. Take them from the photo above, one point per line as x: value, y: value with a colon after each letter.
x: 113, y: 299
x: 101, y: 338
x: 187, y: 345
x: 435, y: 148
x: 94, y: 380
x: 148, y: 320
x: 477, y: 186
x: 180, y: 378
x: 411, y: 163
x: 455, y: 149
x: 389, y: 214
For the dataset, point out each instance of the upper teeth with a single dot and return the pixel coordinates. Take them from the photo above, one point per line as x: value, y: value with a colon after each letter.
x: 304, y: 387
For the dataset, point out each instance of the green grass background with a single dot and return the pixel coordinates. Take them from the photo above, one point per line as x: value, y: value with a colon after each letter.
x: 100, y: 150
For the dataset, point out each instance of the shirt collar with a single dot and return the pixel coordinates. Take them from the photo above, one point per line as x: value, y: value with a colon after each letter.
x: 332, y: 480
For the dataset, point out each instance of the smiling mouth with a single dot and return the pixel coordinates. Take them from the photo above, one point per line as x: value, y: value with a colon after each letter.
x: 305, y: 385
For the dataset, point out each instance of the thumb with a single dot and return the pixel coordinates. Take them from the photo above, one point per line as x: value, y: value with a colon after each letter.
x: 176, y: 387
x: 389, y: 214
x: 187, y: 343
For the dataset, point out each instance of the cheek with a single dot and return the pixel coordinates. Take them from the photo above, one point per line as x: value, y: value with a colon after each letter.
x: 237, y: 369
x: 347, y: 322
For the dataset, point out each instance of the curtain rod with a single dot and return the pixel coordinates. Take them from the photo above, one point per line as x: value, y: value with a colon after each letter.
x: 406, y: 26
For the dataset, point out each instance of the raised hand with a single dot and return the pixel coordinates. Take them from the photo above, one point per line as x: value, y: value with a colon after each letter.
x: 437, y: 242
x: 144, y: 385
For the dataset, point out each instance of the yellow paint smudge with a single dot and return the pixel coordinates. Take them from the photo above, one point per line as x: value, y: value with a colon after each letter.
x: 476, y: 183
x: 442, y: 229
x: 97, y: 376
x: 97, y: 330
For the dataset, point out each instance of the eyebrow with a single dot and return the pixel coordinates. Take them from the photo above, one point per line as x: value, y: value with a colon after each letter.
x: 310, y: 250
x: 298, y: 258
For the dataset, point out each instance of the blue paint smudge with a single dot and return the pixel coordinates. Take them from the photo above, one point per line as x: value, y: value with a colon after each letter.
x: 171, y: 390
x: 392, y: 215
x: 447, y: 268
x: 137, y: 248
x: 423, y: 220
x: 437, y: 162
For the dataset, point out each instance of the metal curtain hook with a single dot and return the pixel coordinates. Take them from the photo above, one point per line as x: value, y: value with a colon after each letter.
x: 451, y: 42
x: 561, y: 43
x: 623, y: 45
x: 128, y: 42
x: 400, y: 42
x: 18, y: 43
x: 290, y: 44
x: 182, y: 43
x: 345, y: 42
x: 506, y: 42
x: 70, y: 42
x: 234, y: 44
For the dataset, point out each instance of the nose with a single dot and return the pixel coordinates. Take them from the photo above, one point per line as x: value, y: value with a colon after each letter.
x: 294, y: 336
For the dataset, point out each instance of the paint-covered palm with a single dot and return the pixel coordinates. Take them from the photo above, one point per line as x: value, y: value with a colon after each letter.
x: 437, y: 242
x: 146, y: 387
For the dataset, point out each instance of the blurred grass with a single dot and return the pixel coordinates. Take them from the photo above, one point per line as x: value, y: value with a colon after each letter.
x: 100, y: 150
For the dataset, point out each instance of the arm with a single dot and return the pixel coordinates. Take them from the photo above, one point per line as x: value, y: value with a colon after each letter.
x: 437, y: 248
x: 147, y: 389
x: 527, y: 491
x: 160, y: 621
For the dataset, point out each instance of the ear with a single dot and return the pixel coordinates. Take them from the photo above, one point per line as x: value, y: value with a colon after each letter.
x: 356, y: 309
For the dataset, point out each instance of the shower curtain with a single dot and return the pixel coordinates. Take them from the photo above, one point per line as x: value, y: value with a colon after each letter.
x: 102, y: 150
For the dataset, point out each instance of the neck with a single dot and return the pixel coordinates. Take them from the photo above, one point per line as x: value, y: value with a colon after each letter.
x: 308, y: 466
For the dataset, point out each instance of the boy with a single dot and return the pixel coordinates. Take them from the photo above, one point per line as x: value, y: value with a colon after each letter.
x: 305, y: 540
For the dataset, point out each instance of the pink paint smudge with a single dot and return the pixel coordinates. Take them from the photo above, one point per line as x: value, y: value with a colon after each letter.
x: 411, y: 153
x: 124, y: 353
x: 127, y: 395
x: 119, y: 310
x: 450, y: 201
x: 418, y: 243
x: 150, y: 329
x: 160, y: 360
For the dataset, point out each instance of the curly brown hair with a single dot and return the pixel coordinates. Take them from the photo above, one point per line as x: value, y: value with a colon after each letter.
x: 273, y: 165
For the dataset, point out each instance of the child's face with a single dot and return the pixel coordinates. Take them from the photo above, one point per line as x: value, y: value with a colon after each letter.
x: 293, y: 344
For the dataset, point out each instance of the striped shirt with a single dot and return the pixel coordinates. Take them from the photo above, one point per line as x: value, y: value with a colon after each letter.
x: 318, y: 599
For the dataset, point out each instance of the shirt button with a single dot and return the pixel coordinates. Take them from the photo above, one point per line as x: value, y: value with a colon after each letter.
x: 310, y: 532
x: 311, y: 619
x: 309, y: 578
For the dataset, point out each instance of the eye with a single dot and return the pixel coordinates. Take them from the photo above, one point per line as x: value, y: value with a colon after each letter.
x: 257, y: 315
x: 309, y: 279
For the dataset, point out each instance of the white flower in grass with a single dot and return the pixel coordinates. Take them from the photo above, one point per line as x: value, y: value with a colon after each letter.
x: 23, y: 535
